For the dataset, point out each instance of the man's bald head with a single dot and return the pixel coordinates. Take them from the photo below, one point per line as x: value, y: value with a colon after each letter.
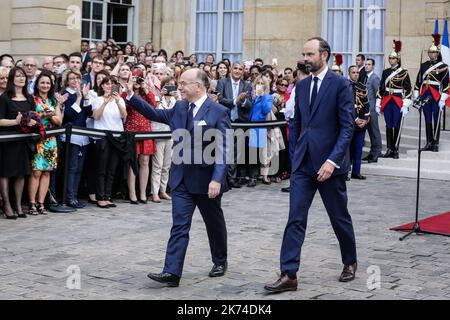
x: 193, y: 84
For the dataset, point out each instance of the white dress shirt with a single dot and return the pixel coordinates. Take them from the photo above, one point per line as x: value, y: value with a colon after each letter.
x: 199, y: 103
x: 321, y: 76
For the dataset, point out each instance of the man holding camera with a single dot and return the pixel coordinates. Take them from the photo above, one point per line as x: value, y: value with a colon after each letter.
x: 235, y: 94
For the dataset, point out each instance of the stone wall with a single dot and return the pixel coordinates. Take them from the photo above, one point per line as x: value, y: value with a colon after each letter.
x: 278, y: 29
x: 41, y: 27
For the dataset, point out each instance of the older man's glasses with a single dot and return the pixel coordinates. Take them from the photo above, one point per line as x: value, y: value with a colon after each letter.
x: 184, y: 84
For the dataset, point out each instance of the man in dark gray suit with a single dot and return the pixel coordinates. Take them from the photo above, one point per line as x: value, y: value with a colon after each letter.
x: 373, y: 83
x: 235, y: 94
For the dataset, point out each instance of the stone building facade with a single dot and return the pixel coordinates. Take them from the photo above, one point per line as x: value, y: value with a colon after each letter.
x: 239, y: 29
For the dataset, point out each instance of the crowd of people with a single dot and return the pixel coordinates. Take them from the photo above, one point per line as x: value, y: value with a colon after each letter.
x: 87, y: 89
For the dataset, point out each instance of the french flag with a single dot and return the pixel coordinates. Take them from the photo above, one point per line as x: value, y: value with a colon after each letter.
x: 445, y: 50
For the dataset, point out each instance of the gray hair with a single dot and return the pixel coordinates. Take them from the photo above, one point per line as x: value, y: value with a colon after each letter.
x: 203, y: 78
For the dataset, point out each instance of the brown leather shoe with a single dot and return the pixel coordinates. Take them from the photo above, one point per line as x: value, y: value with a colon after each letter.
x: 281, y: 285
x: 348, y: 274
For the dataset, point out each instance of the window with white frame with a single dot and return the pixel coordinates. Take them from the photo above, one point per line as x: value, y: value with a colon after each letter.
x: 217, y: 28
x: 108, y: 18
x: 356, y: 26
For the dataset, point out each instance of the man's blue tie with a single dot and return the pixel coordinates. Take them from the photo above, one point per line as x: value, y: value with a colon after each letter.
x: 190, y: 117
x: 314, y: 94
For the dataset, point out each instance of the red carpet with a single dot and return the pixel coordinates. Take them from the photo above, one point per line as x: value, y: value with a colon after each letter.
x: 440, y: 224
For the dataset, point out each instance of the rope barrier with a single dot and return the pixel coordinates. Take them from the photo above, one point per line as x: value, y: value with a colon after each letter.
x: 139, y: 136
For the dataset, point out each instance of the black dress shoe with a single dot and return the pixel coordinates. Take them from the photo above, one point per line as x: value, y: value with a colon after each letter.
x: 218, y: 270
x: 166, y: 278
x: 235, y: 185
x: 428, y: 147
x: 112, y: 205
x: 373, y: 160
x: 286, y: 190
x: 13, y: 217
x: 252, y: 183
x: 92, y: 201
x: 348, y: 274
x: 283, y: 284
x: 358, y: 177
x: 75, y: 204
x: 134, y: 202
x: 143, y: 201
x: 367, y: 158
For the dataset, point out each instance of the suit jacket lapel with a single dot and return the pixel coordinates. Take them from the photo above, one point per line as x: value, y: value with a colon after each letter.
x: 183, y: 116
x: 306, y: 98
x: 200, y: 114
x: 323, y: 89
x: 229, y: 88
x: 241, y: 87
x: 203, y: 110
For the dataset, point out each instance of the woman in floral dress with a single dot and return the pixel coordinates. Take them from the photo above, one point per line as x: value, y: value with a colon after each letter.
x: 46, y: 156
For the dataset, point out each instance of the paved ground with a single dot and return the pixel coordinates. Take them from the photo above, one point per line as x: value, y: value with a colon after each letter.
x: 115, y: 250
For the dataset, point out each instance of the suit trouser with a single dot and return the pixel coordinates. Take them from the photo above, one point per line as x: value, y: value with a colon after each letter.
x: 242, y: 155
x: 77, y: 156
x: 57, y: 172
x: 356, y: 149
x: 431, y: 110
x: 373, y: 129
x: 161, y: 165
x: 91, y: 170
x: 392, y: 115
x: 239, y: 168
x: 107, y: 161
x: 183, y: 207
x: 334, y: 196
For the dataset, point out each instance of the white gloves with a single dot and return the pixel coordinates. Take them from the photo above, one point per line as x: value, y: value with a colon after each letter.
x: 416, y: 94
x: 378, y: 106
x: 404, y: 110
x: 406, y: 104
x: 444, y: 98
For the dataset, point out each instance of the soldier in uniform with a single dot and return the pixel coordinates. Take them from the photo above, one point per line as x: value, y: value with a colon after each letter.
x: 432, y: 81
x: 362, y: 118
x: 394, y: 99
x: 338, y: 60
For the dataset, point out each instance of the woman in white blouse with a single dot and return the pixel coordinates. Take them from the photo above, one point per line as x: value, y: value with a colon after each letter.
x: 109, y: 112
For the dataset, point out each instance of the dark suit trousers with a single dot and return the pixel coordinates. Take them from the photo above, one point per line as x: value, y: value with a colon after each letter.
x: 373, y: 129
x: 334, y: 196
x: 183, y: 207
x: 240, y: 167
x: 107, y: 160
x: 356, y: 149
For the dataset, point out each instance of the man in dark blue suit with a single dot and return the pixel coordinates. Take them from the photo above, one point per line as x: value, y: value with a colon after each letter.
x: 195, y: 182
x: 322, y: 132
